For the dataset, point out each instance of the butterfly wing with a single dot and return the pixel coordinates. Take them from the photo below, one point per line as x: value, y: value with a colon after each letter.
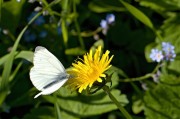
x: 47, y: 69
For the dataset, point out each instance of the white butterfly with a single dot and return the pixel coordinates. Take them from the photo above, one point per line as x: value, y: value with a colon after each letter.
x: 48, y: 74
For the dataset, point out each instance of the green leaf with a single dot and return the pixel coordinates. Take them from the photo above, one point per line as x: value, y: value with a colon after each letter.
x: 137, y: 106
x: 82, y: 106
x: 58, y: 113
x: 162, y: 102
x: 170, y: 30
x: 4, y: 84
x: 43, y: 112
x: 161, y: 6
x: 28, y: 55
x: 75, y: 51
x: 10, y: 16
x: 96, y: 44
x: 15, y: 71
x: 3, y: 59
x: 138, y: 14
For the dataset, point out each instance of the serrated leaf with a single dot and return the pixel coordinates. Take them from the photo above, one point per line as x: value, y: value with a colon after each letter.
x: 170, y: 29
x: 82, y: 106
x: 41, y: 113
x: 163, y: 102
x: 138, y: 14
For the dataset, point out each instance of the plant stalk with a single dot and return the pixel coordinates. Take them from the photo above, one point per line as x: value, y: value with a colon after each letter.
x: 121, y: 108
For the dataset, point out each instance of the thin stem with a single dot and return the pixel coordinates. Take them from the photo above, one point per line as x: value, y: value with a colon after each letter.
x: 88, y: 33
x: 137, y: 78
x: 142, y: 77
x: 121, y: 108
x: 77, y: 26
x: 158, y: 35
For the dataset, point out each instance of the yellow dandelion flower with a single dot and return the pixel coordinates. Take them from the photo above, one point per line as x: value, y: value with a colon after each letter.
x: 89, y: 69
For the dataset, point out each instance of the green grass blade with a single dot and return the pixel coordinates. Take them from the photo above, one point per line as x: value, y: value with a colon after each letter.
x: 4, y: 84
x: 58, y: 113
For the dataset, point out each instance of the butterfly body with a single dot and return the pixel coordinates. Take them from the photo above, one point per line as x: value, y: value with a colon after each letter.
x: 48, y: 74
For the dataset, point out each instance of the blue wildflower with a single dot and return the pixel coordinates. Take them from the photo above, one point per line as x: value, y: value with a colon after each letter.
x: 43, y: 34
x: 156, y: 55
x: 29, y: 36
x: 39, y: 21
x: 110, y: 18
x: 59, y: 30
x: 169, y: 56
x: 168, y: 49
x: 103, y: 24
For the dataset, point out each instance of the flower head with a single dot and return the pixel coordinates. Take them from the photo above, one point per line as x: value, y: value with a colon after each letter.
x: 168, y: 49
x: 43, y: 34
x: 89, y: 70
x: 110, y: 18
x: 156, y: 55
x: 39, y: 21
x: 104, y: 24
x: 29, y: 36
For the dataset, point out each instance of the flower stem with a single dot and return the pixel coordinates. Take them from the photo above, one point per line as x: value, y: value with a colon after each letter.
x: 142, y: 77
x: 121, y: 108
x: 77, y: 27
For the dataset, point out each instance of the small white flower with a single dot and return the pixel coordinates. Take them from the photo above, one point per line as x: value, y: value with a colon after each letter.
x: 156, y: 55
x: 110, y: 18
x: 103, y: 24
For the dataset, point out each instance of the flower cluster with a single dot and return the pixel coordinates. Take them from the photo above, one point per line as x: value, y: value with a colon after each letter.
x: 167, y: 53
x: 110, y: 18
x: 89, y: 70
x: 30, y: 35
x: 39, y: 21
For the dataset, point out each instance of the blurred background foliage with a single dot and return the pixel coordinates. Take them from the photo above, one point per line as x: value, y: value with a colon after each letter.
x: 68, y: 29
